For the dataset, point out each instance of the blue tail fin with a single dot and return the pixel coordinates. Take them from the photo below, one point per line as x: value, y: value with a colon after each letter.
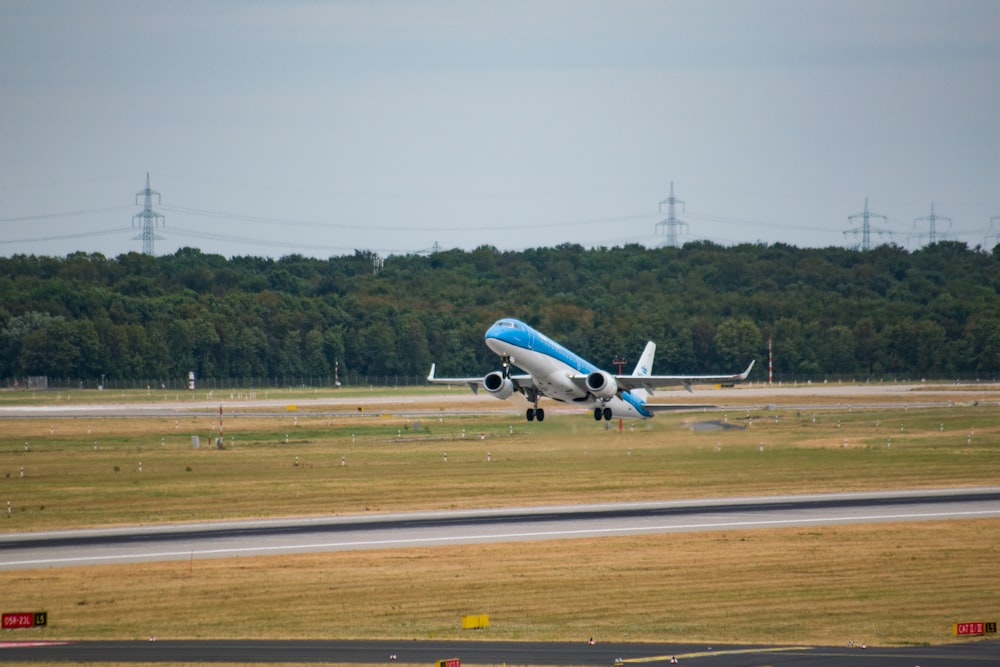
x: 643, y: 368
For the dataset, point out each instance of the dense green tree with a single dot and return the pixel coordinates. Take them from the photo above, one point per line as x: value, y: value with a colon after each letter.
x: 830, y: 312
x: 412, y: 351
x: 736, y: 341
x: 982, y: 338
x: 835, y: 349
x: 314, y: 354
x: 18, y: 329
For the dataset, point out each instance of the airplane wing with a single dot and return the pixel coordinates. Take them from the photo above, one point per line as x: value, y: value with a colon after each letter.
x: 651, y: 382
x: 522, y: 383
x: 474, y: 383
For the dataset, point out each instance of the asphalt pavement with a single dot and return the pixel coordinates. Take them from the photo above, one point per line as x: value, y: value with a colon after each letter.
x: 227, y: 539
x: 972, y: 653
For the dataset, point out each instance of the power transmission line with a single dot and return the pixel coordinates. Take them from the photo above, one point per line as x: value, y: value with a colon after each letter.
x: 224, y: 215
x: 63, y: 237
x: 65, y: 214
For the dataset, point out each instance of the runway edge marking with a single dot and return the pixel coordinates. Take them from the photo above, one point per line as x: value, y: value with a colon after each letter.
x: 704, y: 654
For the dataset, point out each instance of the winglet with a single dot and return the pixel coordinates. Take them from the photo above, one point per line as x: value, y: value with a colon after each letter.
x: 744, y: 374
x: 430, y: 376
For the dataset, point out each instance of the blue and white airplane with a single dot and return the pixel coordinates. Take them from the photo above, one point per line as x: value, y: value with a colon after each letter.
x: 562, y: 375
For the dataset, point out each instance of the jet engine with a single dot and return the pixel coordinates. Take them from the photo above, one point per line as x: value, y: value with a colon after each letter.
x: 602, y: 385
x: 498, y: 385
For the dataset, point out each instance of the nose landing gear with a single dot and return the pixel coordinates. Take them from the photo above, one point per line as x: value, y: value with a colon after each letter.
x: 505, y: 366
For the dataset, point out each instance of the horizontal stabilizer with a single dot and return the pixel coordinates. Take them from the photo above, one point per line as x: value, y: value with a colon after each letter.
x: 663, y: 407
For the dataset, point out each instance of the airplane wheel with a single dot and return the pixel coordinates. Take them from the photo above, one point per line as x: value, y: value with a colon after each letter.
x: 539, y: 414
x: 598, y: 414
x: 607, y: 414
x: 530, y: 414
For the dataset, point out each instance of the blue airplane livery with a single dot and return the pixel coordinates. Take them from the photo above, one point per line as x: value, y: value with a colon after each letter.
x: 552, y: 370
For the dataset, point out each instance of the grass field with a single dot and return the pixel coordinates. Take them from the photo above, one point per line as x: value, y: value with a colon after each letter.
x: 884, y: 584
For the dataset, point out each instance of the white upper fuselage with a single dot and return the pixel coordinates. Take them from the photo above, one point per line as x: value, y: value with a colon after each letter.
x: 555, y: 371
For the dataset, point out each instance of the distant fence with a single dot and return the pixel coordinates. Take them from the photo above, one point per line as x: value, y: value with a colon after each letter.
x: 387, y: 381
x: 218, y: 384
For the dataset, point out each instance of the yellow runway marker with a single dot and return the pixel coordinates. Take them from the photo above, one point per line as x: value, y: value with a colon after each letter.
x: 702, y: 654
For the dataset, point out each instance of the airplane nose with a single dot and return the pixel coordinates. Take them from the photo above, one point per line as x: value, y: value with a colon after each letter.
x: 492, y: 344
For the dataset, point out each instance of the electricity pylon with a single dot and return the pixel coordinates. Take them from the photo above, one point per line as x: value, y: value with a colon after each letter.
x: 866, y: 228
x: 933, y: 220
x: 672, y: 224
x: 148, y: 219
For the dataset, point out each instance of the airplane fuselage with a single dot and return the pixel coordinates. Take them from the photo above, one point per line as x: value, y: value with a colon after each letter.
x: 553, y: 368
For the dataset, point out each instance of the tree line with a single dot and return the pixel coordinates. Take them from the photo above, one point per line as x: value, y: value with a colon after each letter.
x: 829, y: 313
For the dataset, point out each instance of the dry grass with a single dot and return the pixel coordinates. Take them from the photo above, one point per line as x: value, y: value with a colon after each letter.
x: 85, y: 472
x: 884, y: 584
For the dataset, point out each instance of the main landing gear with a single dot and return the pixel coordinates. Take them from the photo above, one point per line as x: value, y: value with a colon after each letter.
x: 603, y: 413
x: 534, y: 412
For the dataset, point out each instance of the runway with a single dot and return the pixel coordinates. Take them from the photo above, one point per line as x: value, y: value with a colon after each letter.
x: 972, y: 654
x: 331, y: 403
x: 421, y: 529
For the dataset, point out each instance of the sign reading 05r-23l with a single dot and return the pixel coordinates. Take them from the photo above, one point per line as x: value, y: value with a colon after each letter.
x: 25, y: 620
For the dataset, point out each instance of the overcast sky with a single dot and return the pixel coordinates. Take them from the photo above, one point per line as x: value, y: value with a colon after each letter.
x: 277, y: 127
